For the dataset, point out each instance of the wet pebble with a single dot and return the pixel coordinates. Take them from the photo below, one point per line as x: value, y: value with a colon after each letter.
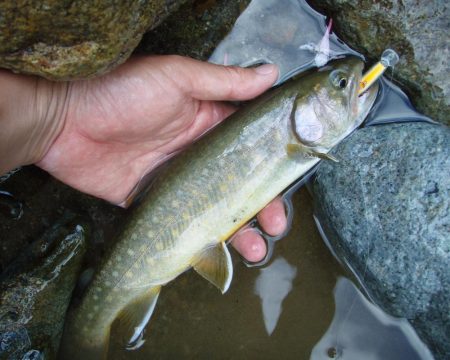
x: 10, y: 207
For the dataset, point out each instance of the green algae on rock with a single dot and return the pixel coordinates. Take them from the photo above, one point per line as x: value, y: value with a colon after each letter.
x: 63, y: 40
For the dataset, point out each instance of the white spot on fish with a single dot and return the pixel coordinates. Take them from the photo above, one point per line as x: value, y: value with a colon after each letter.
x: 130, y: 252
x: 159, y: 246
x: 150, y: 234
x: 115, y: 274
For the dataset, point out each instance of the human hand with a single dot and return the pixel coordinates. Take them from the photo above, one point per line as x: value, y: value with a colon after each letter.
x: 118, y: 127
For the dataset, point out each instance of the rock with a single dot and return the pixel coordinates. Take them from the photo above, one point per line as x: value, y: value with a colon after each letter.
x: 416, y: 29
x: 385, y: 210
x: 36, y: 289
x: 74, y: 39
x: 194, y: 30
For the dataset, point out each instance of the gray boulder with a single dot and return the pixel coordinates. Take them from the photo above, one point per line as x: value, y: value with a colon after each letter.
x: 385, y: 209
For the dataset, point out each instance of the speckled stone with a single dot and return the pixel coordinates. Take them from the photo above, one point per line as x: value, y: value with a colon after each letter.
x: 74, y: 39
x: 385, y: 208
x: 416, y: 29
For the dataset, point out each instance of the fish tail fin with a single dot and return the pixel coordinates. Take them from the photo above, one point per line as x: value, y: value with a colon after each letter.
x: 84, y: 343
x: 87, y: 331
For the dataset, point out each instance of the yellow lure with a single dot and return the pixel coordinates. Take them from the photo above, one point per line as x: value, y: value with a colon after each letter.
x: 388, y: 58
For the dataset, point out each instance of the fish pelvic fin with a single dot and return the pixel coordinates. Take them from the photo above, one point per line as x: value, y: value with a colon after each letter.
x: 215, y: 265
x: 136, y: 314
x: 295, y: 149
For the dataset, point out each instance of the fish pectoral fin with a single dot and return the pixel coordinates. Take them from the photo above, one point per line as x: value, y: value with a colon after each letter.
x: 326, y: 156
x: 215, y: 265
x: 135, y: 316
x: 294, y: 149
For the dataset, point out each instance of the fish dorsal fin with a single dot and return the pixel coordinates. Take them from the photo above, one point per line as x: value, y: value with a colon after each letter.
x: 135, y: 316
x: 215, y: 265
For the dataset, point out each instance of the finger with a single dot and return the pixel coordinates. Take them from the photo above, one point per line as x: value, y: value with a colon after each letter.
x: 273, y: 218
x: 250, y: 244
x: 206, y: 81
x: 209, y: 114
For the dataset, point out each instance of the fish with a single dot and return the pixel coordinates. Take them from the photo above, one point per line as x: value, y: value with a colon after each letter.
x: 208, y: 192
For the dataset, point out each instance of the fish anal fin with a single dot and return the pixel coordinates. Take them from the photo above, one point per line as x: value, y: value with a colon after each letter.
x: 135, y: 316
x: 215, y: 265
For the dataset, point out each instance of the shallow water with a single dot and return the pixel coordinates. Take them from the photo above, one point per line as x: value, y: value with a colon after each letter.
x: 232, y: 325
x: 292, y: 298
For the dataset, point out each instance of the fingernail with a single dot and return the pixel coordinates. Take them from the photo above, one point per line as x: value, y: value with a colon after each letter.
x: 265, y: 69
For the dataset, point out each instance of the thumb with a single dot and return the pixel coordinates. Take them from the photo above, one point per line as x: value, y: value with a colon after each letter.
x: 206, y: 81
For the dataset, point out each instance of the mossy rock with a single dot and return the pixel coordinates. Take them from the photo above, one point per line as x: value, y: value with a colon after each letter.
x: 63, y: 40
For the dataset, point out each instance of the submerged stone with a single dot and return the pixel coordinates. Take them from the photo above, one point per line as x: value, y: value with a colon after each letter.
x: 385, y: 211
x: 36, y: 289
x: 74, y: 39
x: 416, y: 29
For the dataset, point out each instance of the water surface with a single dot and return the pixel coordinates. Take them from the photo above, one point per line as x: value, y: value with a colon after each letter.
x: 283, y: 310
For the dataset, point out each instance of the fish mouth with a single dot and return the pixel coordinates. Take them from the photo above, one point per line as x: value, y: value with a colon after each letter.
x: 364, y: 103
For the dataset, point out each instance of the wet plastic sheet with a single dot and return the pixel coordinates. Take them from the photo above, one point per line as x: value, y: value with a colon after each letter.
x: 289, y: 34
x: 360, y: 330
x: 393, y: 106
x: 282, y: 32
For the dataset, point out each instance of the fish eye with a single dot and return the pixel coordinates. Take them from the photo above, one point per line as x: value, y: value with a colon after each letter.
x: 338, y: 79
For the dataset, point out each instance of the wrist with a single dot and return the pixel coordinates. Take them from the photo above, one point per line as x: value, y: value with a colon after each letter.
x: 32, y: 115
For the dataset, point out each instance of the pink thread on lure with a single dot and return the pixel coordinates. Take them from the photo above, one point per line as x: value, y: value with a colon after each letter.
x: 324, y: 46
x: 323, y: 52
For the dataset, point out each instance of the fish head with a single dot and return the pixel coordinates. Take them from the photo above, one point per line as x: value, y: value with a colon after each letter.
x: 321, y: 118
